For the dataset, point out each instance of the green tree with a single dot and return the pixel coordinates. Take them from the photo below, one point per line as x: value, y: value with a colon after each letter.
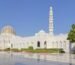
x: 71, y: 38
x: 71, y: 34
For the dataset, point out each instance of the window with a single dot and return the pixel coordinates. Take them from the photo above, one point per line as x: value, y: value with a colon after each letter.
x: 45, y: 44
x: 65, y: 44
x: 38, y: 44
x: 57, y: 43
x: 11, y: 45
x: 64, y: 41
x: 53, y: 44
x: 60, y: 41
x: 61, y: 44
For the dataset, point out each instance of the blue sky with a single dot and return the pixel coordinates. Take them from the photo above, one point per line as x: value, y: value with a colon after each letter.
x: 30, y: 16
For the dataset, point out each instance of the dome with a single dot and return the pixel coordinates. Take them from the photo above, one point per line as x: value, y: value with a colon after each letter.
x: 8, y: 29
x: 41, y: 33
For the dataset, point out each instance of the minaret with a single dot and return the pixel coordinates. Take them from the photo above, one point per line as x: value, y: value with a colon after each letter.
x: 51, y: 28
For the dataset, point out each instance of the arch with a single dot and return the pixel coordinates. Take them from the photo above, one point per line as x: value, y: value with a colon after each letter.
x: 38, y: 43
x: 11, y: 45
x: 64, y: 41
x: 53, y: 44
x: 45, y: 44
x: 57, y: 43
x: 61, y: 44
x: 64, y: 44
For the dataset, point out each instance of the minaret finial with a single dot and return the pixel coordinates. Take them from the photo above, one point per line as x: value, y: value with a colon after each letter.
x: 51, y: 28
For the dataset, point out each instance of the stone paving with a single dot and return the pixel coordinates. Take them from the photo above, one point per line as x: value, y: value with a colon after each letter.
x: 7, y: 58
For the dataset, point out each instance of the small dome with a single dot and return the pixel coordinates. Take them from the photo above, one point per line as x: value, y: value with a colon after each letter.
x: 8, y: 29
x: 41, y: 32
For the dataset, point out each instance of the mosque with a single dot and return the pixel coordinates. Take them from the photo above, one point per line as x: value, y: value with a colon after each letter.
x: 9, y: 39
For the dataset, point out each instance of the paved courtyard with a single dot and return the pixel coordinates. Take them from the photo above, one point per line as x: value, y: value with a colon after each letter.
x: 7, y: 58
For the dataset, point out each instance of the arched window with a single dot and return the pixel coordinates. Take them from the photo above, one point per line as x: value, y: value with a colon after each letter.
x: 60, y: 41
x: 64, y: 44
x: 38, y: 44
x: 61, y: 44
x: 53, y: 44
x: 64, y: 41
x: 11, y: 45
x: 45, y: 44
x: 57, y: 43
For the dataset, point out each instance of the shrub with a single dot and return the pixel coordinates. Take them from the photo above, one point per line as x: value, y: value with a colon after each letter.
x: 7, y: 49
x: 51, y: 50
x: 61, y: 51
x: 24, y: 49
x: 15, y: 50
x: 30, y: 48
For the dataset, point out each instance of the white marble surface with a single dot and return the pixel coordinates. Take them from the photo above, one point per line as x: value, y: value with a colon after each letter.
x: 7, y: 58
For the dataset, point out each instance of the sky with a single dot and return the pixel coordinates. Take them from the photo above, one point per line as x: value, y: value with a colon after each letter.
x: 28, y: 17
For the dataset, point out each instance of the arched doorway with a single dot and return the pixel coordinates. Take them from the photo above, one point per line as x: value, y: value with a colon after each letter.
x: 38, y: 43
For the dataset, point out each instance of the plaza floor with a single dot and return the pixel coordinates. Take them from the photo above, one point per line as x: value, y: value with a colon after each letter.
x: 7, y: 58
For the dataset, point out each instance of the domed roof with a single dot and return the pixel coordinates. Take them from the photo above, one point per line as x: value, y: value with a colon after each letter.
x: 8, y: 29
x: 41, y: 33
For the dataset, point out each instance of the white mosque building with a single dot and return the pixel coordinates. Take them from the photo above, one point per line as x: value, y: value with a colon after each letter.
x: 9, y: 39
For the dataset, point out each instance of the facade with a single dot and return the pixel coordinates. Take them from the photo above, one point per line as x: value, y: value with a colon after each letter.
x: 9, y: 39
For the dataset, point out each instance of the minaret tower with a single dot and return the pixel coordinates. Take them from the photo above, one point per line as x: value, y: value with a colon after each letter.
x: 51, y: 28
